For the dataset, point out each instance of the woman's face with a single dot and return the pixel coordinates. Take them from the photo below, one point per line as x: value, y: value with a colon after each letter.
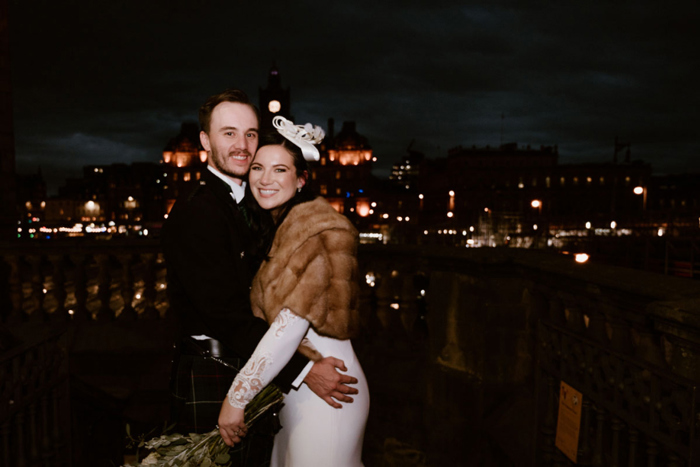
x: 273, y: 178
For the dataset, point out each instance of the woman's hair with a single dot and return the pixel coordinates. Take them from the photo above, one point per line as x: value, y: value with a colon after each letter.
x: 262, y: 224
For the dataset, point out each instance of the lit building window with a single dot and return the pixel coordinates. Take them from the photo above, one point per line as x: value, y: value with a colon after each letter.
x: 562, y: 181
x: 175, y: 177
x: 323, y: 190
x: 186, y: 176
x: 602, y: 180
x: 337, y: 174
x: 548, y: 182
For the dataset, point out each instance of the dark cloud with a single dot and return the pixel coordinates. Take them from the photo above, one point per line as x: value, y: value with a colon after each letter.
x: 101, y: 81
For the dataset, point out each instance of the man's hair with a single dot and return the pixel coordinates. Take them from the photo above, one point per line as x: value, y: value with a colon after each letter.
x: 229, y: 95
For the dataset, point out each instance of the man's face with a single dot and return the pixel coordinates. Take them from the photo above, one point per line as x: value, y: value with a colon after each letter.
x: 232, y: 139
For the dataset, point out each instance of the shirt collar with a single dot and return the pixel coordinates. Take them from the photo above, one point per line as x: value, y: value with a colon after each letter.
x: 238, y: 191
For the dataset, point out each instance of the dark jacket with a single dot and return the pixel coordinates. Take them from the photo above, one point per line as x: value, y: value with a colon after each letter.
x: 205, y: 243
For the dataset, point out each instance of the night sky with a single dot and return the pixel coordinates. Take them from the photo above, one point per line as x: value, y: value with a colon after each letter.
x: 100, y: 82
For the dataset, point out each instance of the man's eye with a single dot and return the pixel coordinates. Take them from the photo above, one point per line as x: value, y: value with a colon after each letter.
x: 252, y: 135
x: 228, y: 133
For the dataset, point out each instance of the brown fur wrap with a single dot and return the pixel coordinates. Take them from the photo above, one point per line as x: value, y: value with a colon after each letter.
x: 312, y: 270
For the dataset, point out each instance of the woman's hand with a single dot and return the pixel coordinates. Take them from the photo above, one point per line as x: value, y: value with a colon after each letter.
x: 231, y: 424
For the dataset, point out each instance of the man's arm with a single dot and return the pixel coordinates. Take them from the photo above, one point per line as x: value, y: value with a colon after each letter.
x: 328, y: 383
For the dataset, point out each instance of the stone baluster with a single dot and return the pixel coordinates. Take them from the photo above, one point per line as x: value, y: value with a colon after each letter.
x: 549, y: 423
x: 407, y: 303
x: 616, y: 426
x: 674, y: 460
x: 15, y: 288
x: 5, y: 443
x: 149, y: 286
x: 33, y: 442
x: 45, y: 439
x: 104, y: 291
x: 619, y: 329
x: 128, y: 312
x: 556, y: 311
x: 596, y: 325
x: 80, y: 288
x: 648, y: 347
x: 652, y: 452
x: 633, y: 438
x: 37, y: 289
x: 584, y: 446
x: 452, y: 355
x: 598, y: 448
x: 20, y: 459
x: 59, y: 288
x: 685, y: 357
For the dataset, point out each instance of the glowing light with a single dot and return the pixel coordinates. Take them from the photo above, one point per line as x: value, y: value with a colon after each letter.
x: 464, y: 233
x: 534, y: 227
x: 420, y: 196
x: 470, y: 241
x: 661, y: 232
x: 422, y: 293
x: 370, y: 279
x: 471, y: 228
x: 486, y: 209
x: 138, y: 296
x: 588, y: 225
x: 395, y: 306
x: 399, y: 218
x: 425, y: 232
x: 407, y: 219
x: 71, y: 312
x: 374, y: 205
x: 452, y: 193
x: 581, y: 257
x: 450, y: 214
x: 613, y: 224
x: 371, y: 211
x: 536, y: 203
x: 385, y: 216
x: 638, y: 190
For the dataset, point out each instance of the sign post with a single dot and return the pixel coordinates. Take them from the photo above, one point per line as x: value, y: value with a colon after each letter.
x: 568, y: 421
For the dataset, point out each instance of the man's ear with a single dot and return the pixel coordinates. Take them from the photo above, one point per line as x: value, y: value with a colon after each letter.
x: 204, y: 139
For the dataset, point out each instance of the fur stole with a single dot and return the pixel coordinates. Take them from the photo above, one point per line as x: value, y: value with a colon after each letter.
x: 312, y: 270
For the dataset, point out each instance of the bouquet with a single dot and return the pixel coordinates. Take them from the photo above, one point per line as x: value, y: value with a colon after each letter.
x: 209, y: 449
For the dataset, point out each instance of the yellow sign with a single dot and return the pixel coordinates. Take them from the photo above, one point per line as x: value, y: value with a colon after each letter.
x: 568, y: 421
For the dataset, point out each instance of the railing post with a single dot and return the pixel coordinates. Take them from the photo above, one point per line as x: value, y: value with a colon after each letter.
x: 127, y: 288
x: 59, y: 287
x: 80, y: 288
x: 38, y: 313
x: 15, y: 289
x: 149, y: 285
x: 104, y: 288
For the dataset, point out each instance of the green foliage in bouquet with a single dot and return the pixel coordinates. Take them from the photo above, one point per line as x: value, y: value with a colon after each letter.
x: 204, y: 450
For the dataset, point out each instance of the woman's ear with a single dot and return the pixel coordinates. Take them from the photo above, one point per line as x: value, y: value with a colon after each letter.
x: 301, y: 180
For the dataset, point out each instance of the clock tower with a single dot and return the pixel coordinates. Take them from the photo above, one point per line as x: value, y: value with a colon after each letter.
x: 274, y: 100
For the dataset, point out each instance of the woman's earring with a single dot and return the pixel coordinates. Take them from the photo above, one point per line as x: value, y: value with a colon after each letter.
x: 299, y: 190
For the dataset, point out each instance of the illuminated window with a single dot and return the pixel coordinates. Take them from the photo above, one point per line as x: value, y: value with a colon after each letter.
x: 589, y: 180
x: 186, y: 176
x: 197, y: 175
x: 575, y: 180
x: 337, y: 174
x: 323, y: 161
x: 548, y: 182
x: 562, y: 181
x: 175, y: 177
x: 602, y: 180
x: 627, y: 181
x: 313, y: 175
x: 337, y: 191
x: 323, y: 190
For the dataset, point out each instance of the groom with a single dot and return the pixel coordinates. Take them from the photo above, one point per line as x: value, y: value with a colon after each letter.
x: 206, y: 243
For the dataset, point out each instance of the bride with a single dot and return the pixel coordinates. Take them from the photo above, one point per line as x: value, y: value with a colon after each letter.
x: 306, y: 288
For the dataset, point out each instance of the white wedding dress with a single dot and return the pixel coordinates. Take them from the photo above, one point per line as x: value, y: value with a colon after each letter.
x: 313, y: 434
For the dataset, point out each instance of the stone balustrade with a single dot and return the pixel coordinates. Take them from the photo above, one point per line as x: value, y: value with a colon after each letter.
x: 463, y: 342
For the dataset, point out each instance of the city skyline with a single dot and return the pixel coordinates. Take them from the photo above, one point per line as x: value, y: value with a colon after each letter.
x: 98, y: 83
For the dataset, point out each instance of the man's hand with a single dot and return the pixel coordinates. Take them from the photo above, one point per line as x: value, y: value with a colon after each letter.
x: 231, y: 424
x: 327, y: 383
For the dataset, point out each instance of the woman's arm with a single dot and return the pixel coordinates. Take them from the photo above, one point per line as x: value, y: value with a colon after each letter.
x: 274, y: 350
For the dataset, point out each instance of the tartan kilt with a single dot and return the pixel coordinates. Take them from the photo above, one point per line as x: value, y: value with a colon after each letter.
x: 198, y: 388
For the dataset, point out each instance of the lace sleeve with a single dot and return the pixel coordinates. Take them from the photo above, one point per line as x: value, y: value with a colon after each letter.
x: 273, y: 352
